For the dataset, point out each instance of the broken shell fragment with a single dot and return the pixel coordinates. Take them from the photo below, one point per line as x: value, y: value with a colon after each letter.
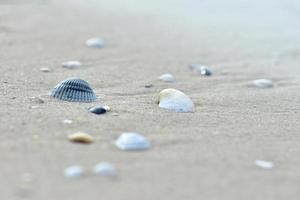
x: 45, y: 69
x: 263, y: 83
x: 74, y: 171
x: 167, y: 78
x: 71, y: 64
x: 132, y: 141
x: 81, y: 138
x: 105, y: 169
x: 75, y: 90
x: 175, y: 100
x: 95, y: 43
x: 264, y: 164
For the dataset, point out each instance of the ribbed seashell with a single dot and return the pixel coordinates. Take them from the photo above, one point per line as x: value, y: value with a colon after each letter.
x: 95, y: 43
x: 132, y: 141
x: 73, y: 89
x: 105, y: 169
x: 167, y: 78
x: 175, y: 100
x: 71, y: 64
x: 201, y: 69
x: 263, y: 83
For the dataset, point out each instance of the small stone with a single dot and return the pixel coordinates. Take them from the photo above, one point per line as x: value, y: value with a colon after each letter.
x: 71, y: 64
x: 74, y: 171
x: 115, y: 114
x: 33, y: 107
x: 36, y: 100
x: 81, y: 137
x: 67, y: 121
x: 45, y: 69
x: 149, y: 85
x: 98, y: 110
x: 105, y: 169
x: 167, y: 78
x: 201, y: 69
x: 264, y: 164
x: 95, y: 43
x: 132, y: 141
x: 263, y: 83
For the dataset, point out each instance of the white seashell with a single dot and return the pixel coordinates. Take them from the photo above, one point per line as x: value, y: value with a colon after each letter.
x: 263, y: 83
x: 45, y: 69
x: 132, y: 141
x: 95, y: 42
x: 105, y: 169
x: 71, y: 64
x: 74, y: 171
x: 175, y: 100
x: 264, y: 164
x: 67, y: 121
x: 167, y: 78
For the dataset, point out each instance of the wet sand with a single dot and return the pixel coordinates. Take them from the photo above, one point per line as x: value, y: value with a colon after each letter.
x: 208, y: 154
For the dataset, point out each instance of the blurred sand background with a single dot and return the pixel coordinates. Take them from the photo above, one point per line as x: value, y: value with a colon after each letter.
x: 208, y: 154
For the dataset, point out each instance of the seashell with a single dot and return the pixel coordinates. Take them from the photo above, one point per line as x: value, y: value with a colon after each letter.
x: 95, y: 43
x: 148, y: 85
x: 167, y: 78
x: 74, y: 171
x: 105, y: 169
x: 67, y: 121
x: 107, y: 108
x: 45, y: 69
x: 264, y: 164
x: 71, y: 64
x: 98, y: 110
x: 201, y: 69
x: 132, y: 141
x: 81, y: 137
x: 263, y: 83
x: 75, y: 90
x: 175, y: 100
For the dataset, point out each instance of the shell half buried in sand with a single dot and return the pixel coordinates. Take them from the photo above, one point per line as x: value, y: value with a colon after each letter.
x: 132, y: 141
x: 75, y: 90
x: 95, y: 42
x: 71, y: 64
x: 175, y: 101
x: 167, y: 78
x: 263, y: 83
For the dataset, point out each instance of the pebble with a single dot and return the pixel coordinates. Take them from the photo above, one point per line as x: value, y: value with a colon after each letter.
x: 37, y: 100
x: 264, y: 164
x: 45, y: 69
x: 74, y: 171
x: 105, y: 169
x: 149, y: 85
x: 81, y: 137
x: 71, y: 64
x: 201, y: 69
x: 115, y: 114
x: 132, y: 141
x: 167, y: 78
x: 98, y: 110
x: 175, y: 101
x: 95, y: 43
x: 263, y: 83
x: 67, y: 121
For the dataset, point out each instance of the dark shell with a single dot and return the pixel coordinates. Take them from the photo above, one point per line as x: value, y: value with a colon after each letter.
x: 98, y: 110
x: 73, y: 89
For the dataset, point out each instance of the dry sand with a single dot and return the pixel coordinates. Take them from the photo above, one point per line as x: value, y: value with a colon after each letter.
x: 208, y: 154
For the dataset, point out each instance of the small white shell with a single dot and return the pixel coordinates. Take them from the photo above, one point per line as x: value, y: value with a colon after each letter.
x: 67, y: 121
x: 45, y: 69
x: 105, y: 169
x: 167, y: 78
x: 175, y: 100
x: 95, y: 43
x: 71, y: 64
x: 132, y: 141
x: 264, y: 164
x: 74, y: 171
x: 263, y: 83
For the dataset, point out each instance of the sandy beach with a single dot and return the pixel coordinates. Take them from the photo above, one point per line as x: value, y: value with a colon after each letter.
x: 208, y: 154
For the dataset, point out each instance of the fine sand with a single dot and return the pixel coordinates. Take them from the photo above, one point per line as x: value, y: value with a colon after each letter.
x: 207, y: 155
